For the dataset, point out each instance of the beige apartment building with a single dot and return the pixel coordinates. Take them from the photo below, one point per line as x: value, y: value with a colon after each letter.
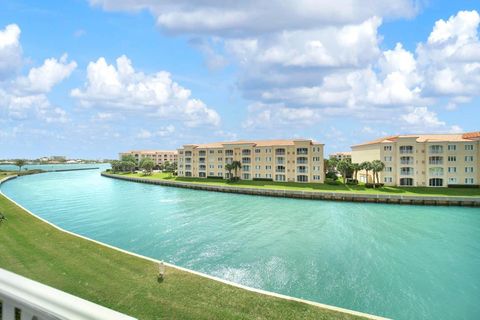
x: 158, y: 156
x: 434, y: 160
x: 341, y: 156
x: 278, y: 160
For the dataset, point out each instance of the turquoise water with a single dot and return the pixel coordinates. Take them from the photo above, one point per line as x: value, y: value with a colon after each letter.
x: 404, y: 262
x: 53, y: 167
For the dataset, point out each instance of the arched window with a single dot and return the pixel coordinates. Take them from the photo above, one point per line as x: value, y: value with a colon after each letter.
x: 406, y: 182
x: 435, y: 182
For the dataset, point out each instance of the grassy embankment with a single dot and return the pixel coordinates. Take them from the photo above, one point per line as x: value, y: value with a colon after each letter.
x: 412, y: 191
x: 32, y: 248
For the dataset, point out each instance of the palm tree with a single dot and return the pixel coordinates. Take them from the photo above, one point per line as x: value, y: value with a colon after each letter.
x: 367, y: 166
x: 20, y: 163
x: 344, y: 166
x: 377, y: 166
x: 356, y: 167
x: 236, y: 165
x: 229, y: 168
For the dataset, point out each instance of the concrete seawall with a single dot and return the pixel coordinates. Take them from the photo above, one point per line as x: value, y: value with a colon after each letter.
x: 314, y: 195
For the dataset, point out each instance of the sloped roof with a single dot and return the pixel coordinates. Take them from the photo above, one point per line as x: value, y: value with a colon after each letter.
x: 255, y: 143
x: 455, y: 137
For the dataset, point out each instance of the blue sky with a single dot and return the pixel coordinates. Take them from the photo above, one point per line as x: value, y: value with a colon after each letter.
x: 92, y: 78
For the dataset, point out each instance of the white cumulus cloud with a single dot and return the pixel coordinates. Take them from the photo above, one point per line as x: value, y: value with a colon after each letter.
x: 120, y: 87
x: 10, y: 50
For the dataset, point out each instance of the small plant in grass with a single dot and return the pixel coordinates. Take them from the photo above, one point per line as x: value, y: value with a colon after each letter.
x: 2, y: 218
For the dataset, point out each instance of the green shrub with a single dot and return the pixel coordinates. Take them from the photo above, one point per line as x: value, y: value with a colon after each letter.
x: 214, y: 177
x: 262, y: 179
x: 376, y: 185
x: 332, y: 182
x: 464, y: 185
x: 331, y: 175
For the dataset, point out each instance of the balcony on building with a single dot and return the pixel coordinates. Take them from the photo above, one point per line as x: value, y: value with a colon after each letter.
x: 302, y: 151
x: 188, y: 153
x: 435, y: 149
x: 229, y: 153
x: 246, y: 152
x: 435, y: 160
x: 406, y: 160
x: 302, y: 160
x: 406, y: 149
x: 280, y: 169
x: 280, y: 152
x: 407, y: 171
x: 246, y: 160
x: 302, y: 169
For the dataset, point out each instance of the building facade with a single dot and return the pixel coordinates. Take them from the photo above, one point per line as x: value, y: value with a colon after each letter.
x: 278, y: 160
x: 159, y: 157
x: 423, y: 160
x: 341, y: 156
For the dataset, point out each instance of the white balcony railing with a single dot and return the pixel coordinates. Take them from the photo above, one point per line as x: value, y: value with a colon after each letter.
x: 34, y: 300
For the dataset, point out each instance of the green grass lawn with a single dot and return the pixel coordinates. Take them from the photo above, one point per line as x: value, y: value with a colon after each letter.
x: 413, y: 191
x: 128, y: 284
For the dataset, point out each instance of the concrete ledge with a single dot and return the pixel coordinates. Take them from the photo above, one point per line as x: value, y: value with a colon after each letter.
x: 315, y: 195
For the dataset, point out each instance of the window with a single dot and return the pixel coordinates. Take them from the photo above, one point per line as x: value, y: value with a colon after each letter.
x: 211, y: 151
x: 469, y: 181
x: 469, y: 169
x: 257, y: 175
x: 387, y: 158
x: 406, y: 160
x: 317, y: 177
x: 435, y: 160
x: 220, y: 174
x: 452, y: 147
x: 220, y: 151
x: 452, y: 158
x: 268, y: 175
x: 316, y: 159
x: 212, y: 166
x: 188, y: 174
x: 258, y: 159
x: 279, y: 177
x: 387, y: 148
x: 246, y: 160
x: 302, y: 160
x: 202, y: 174
x: 388, y: 169
x: 452, y: 169
x: 268, y: 167
x: 302, y: 178
x: 468, y: 158
x: 202, y: 167
x: 202, y: 153
x: 246, y: 152
x: 279, y: 152
x: 469, y: 147
x: 406, y: 171
x: 246, y: 176
x: 435, y: 149
x: 302, y: 169
x: 388, y: 179
x: 258, y: 167
x: 220, y: 159
x: 229, y: 153
x: 435, y: 182
x: 188, y: 153
x: 257, y: 150
x: 436, y: 172
x: 452, y: 180
x: 220, y: 166
x: 280, y: 168
x: 268, y: 159
x: 302, y: 151
x: 245, y: 168
x: 406, y: 149
x: 211, y: 173
x: 406, y: 182
x: 280, y: 160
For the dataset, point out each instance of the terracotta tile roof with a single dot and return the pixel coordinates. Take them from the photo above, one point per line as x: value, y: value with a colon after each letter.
x: 255, y: 143
x: 457, y: 137
x: 150, y: 151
